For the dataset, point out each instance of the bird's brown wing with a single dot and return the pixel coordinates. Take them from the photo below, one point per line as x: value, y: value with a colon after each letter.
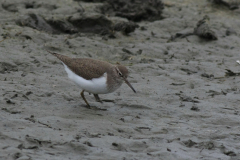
x: 85, y: 67
x: 88, y: 68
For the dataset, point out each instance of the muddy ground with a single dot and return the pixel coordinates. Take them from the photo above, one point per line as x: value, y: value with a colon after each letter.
x: 187, y: 100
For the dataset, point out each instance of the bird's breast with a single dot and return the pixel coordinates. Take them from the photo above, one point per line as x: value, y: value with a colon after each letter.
x: 113, y: 83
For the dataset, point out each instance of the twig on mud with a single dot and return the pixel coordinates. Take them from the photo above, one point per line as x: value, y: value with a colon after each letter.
x: 3, y: 40
x: 44, y: 124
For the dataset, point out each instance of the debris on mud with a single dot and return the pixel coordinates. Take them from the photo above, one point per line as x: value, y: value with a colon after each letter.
x: 135, y: 10
x: 231, y: 4
x: 202, y: 30
x: 230, y: 73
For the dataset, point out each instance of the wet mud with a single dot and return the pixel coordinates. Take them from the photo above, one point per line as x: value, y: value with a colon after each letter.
x: 187, y: 100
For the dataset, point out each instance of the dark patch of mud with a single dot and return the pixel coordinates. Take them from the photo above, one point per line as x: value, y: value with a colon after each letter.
x: 133, y: 10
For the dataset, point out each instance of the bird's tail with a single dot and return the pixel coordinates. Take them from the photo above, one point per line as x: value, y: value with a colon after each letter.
x: 55, y: 54
x: 63, y: 58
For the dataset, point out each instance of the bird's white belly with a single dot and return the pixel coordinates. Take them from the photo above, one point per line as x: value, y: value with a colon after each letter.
x: 95, y: 86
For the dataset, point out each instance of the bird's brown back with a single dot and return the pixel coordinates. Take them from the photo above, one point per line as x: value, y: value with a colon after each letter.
x: 85, y: 67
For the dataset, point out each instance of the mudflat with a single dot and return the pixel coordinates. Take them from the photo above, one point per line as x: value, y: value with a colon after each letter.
x: 182, y: 66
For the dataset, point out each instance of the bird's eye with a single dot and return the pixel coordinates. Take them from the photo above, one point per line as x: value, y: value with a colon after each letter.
x: 119, y: 73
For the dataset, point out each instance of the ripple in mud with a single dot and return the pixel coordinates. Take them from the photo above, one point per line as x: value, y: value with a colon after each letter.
x: 134, y: 146
x: 206, y: 145
x: 7, y: 67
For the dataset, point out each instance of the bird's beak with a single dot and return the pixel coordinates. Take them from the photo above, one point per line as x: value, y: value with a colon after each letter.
x: 126, y: 81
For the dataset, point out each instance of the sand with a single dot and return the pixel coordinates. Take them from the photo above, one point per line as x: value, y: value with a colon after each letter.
x: 185, y: 108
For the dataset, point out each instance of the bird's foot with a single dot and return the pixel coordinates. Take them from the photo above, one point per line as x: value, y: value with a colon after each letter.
x: 96, y: 108
x: 100, y: 101
x: 97, y: 98
x: 108, y: 100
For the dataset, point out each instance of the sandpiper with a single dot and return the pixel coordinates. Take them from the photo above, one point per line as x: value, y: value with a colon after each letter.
x: 94, y: 76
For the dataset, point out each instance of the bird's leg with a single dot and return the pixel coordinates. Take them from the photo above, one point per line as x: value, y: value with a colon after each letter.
x: 97, y: 98
x: 82, y: 95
